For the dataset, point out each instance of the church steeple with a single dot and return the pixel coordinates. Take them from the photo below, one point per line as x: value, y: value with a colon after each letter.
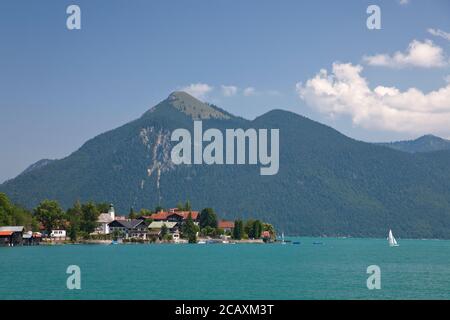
x: 111, y: 212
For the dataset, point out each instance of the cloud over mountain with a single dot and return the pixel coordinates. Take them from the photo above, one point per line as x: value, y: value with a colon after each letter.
x: 198, y: 90
x: 229, y: 91
x: 345, y: 92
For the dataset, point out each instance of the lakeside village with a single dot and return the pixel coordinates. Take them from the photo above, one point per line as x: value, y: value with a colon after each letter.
x: 92, y: 223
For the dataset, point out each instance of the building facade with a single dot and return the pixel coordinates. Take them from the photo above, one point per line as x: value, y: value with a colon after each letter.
x: 104, y: 219
x: 135, y: 228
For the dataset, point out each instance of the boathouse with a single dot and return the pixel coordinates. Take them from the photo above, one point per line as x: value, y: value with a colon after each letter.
x: 11, y: 235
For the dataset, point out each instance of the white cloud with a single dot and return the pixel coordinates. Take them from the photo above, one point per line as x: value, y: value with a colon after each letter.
x: 403, y: 2
x: 345, y: 92
x: 439, y: 33
x: 198, y: 90
x: 229, y: 91
x: 202, y: 91
x: 250, y: 91
x: 419, y: 54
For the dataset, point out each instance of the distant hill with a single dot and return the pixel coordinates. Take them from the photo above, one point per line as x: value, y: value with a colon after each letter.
x: 327, y: 185
x: 39, y: 164
x: 428, y: 143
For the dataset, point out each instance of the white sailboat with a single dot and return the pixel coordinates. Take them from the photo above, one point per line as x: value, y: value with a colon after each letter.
x: 282, y: 238
x: 391, y: 239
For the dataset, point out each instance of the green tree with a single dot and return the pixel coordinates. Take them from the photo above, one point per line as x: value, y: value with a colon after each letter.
x: 132, y: 214
x: 11, y: 214
x: 187, y: 206
x: 117, y: 234
x: 257, y: 229
x: 89, y: 216
x: 248, y: 228
x: 164, y: 231
x: 73, y: 215
x: 238, y: 231
x: 208, y: 218
x: 5, y: 210
x: 190, y: 229
x: 145, y: 212
x: 184, y: 207
x: 253, y: 228
x: 73, y: 232
x: 158, y: 209
x: 270, y: 228
x: 49, y: 214
x: 208, y: 231
x: 103, y: 207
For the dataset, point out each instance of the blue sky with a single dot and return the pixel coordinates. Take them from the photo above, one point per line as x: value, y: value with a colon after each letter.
x: 59, y: 88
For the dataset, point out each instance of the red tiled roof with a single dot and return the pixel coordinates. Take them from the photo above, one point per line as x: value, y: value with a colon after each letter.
x: 185, y: 214
x: 159, y: 216
x: 163, y: 215
x: 223, y: 224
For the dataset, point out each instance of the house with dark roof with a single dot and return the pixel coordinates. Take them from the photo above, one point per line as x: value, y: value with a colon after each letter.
x: 11, y: 235
x: 134, y: 228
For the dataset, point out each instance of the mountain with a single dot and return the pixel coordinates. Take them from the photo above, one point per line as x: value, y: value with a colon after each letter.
x: 39, y: 164
x: 327, y: 184
x: 427, y: 143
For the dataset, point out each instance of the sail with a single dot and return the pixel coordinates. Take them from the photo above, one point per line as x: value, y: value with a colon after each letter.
x: 391, y: 239
x: 394, y: 241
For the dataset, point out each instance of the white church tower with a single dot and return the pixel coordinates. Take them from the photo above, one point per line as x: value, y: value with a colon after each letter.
x: 105, y: 219
x: 111, y: 212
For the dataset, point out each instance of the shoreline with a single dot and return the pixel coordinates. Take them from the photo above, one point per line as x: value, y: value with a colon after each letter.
x: 110, y: 242
x: 217, y: 241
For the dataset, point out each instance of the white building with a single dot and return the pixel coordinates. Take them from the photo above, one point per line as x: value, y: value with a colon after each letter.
x: 104, y: 219
x: 58, y: 234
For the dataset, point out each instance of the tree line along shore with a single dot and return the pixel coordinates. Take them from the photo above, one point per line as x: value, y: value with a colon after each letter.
x: 93, y: 222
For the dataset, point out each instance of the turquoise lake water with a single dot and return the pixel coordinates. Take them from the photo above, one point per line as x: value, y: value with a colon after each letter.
x: 418, y: 269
